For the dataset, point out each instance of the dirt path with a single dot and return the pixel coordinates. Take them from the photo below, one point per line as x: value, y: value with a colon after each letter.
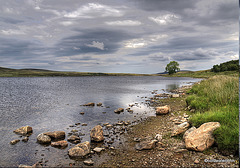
x: 170, y: 151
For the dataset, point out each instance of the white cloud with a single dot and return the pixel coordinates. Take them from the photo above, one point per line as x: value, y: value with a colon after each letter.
x: 165, y: 19
x: 146, y: 40
x: 124, y: 23
x: 66, y: 23
x: 92, y: 10
x: 12, y: 32
x: 96, y: 44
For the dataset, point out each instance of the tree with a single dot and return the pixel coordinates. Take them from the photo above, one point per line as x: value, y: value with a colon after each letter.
x: 172, y: 67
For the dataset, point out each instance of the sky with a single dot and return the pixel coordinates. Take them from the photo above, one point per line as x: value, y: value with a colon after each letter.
x: 119, y: 36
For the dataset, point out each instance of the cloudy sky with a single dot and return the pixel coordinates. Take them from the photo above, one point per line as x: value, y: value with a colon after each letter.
x: 130, y: 36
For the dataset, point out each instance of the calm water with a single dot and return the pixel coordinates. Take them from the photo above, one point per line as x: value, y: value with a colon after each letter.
x: 53, y: 103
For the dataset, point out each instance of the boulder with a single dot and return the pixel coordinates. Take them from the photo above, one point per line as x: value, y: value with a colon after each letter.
x: 88, y: 162
x: 73, y: 138
x: 80, y: 150
x: 96, y: 134
x: 59, y: 144
x: 13, y: 142
x: 162, y: 110
x: 56, y: 134
x: 119, y: 110
x: 180, y: 129
x: 149, y: 144
x: 23, y: 130
x: 201, y: 138
x: 43, y: 139
x: 89, y: 104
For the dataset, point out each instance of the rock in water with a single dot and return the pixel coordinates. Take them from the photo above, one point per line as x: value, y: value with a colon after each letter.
x: 88, y: 162
x: 73, y: 138
x: 201, y: 138
x: 89, y: 104
x: 13, y: 142
x: 60, y: 144
x: 96, y: 134
x: 24, y: 130
x: 162, y: 110
x: 80, y: 150
x: 146, y: 145
x: 56, y: 134
x: 180, y: 129
x: 99, y: 104
x: 119, y: 110
x: 43, y: 139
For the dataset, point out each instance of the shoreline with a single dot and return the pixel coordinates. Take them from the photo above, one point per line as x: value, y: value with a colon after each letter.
x: 170, y: 151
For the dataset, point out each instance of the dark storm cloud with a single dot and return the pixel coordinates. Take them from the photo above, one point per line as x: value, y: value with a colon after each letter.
x: 165, y: 5
x: 18, y: 49
x: 80, y: 43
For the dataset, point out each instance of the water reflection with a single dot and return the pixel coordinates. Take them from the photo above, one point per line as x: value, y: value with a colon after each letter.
x: 171, y: 87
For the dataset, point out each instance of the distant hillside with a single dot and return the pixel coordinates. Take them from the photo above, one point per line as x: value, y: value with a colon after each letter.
x: 31, y: 72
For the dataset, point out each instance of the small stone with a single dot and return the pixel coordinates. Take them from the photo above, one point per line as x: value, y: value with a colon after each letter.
x: 162, y: 110
x: 13, y: 142
x: 158, y: 137
x: 97, y: 149
x: 146, y: 145
x: 119, y: 110
x: 109, y: 126
x: 136, y: 139
x: 43, y: 139
x: 73, y: 138
x: 23, y: 130
x: 99, y: 104
x: 82, y: 113
x: 88, y: 162
x: 105, y: 124
x: 61, y: 144
x: 25, y: 139
x: 181, y: 150
x: 74, y: 130
x: 84, y: 124
x: 196, y: 161
x: 56, y: 134
x: 89, y: 104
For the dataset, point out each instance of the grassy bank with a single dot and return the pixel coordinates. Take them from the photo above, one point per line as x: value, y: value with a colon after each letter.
x: 202, y: 74
x: 7, y: 72
x: 217, y: 99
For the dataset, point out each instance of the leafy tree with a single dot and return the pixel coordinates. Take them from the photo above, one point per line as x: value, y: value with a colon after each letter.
x: 226, y: 66
x: 172, y: 67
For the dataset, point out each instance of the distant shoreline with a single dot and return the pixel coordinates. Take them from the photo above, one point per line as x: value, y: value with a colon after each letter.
x: 8, y: 72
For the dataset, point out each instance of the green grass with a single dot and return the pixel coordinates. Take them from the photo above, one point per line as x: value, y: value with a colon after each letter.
x: 217, y: 99
x: 201, y: 74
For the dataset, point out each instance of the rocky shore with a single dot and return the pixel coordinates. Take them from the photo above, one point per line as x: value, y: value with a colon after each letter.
x: 164, y: 140
x: 171, y: 147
